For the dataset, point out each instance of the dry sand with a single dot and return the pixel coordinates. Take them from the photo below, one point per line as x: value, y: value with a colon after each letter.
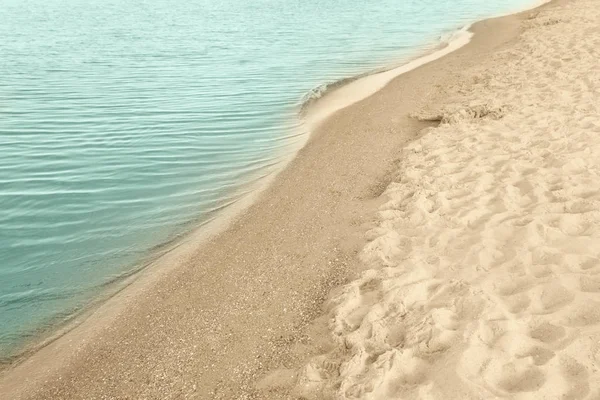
x: 484, y: 267
x: 476, y: 278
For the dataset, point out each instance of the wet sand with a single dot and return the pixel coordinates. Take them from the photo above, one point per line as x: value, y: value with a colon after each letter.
x: 234, y: 317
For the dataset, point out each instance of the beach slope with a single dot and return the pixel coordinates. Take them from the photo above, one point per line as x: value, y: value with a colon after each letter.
x: 454, y: 260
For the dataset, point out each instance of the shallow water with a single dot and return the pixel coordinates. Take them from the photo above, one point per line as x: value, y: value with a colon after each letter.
x: 124, y: 123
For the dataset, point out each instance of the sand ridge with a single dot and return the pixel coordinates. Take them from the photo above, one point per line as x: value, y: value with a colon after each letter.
x: 483, y: 273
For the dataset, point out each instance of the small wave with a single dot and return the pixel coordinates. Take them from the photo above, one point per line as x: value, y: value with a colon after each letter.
x: 448, y: 37
x: 313, y: 95
x: 321, y: 90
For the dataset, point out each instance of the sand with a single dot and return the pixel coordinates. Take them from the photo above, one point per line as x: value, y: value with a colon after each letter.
x: 392, y: 258
x: 483, y: 276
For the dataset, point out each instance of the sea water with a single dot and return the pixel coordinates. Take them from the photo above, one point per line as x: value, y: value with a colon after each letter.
x: 125, y: 123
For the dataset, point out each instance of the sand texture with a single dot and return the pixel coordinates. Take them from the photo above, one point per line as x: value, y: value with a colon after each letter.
x: 478, y: 277
x: 483, y: 272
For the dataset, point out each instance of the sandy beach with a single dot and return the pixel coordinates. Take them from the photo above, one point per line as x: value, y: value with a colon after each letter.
x: 436, y: 240
x: 483, y: 267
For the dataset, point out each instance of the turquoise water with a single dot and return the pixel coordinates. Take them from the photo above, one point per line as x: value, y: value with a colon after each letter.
x: 124, y: 123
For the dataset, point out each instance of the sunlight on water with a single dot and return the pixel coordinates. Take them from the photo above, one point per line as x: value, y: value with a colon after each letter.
x: 123, y: 123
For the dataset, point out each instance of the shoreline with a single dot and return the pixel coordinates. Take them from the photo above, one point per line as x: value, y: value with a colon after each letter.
x: 347, y: 91
x: 190, y: 244
x: 312, y: 112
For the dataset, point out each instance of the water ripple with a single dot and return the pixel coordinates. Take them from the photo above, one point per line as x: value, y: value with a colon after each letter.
x: 123, y: 123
